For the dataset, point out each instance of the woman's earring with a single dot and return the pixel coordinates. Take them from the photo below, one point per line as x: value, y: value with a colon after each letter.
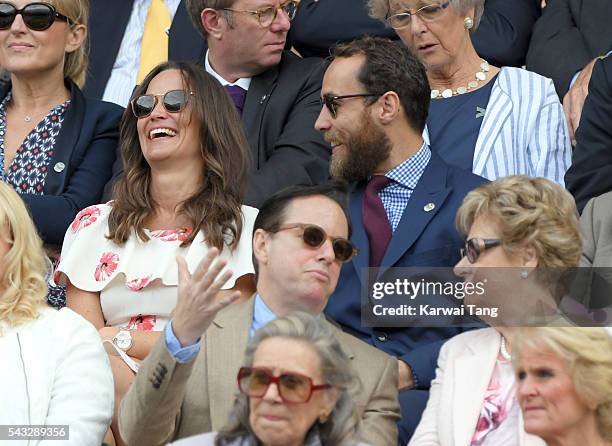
x: 323, y: 418
x: 468, y: 23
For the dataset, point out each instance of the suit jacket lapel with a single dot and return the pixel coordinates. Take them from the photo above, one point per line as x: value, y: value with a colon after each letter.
x: 257, y: 99
x: 225, y: 344
x: 498, y: 110
x: 472, y: 375
x: 430, y: 190
x: 66, y: 142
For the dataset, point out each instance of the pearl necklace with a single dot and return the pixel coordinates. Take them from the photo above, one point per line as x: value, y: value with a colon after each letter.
x: 480, y: 76
x: 502, y: 349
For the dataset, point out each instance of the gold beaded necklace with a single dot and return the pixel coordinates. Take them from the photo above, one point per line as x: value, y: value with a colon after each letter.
x: 480, y: 76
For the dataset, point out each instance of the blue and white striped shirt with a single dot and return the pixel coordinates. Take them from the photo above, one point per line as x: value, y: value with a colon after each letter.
x: 123, y: 77
x: 405, y: 177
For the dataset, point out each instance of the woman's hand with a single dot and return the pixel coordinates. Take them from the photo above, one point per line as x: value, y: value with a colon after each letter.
x: 198, y: 299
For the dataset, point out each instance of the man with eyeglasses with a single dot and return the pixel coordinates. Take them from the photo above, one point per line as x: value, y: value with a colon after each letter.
x: 375, y: 99
x: 187, y: 384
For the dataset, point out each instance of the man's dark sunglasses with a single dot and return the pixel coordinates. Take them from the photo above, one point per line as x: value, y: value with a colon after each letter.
x: 173, y: 101
x: 331, y: 102
x: 476, y: 246
x: 314, y: 236
x: 37, y: 16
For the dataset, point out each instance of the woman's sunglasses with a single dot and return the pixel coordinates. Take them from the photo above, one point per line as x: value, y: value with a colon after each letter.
x: 292, y: 387
x: 476, y: 246
x: 173, y: 101
x: 314, y: 236
x: 36, y: 16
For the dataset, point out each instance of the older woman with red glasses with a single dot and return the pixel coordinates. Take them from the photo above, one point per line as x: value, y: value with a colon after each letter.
x: 296, y: 388
x: 521, y: 233
x: 491, y: 121
x: 57, y: 147
x: 185, y: 160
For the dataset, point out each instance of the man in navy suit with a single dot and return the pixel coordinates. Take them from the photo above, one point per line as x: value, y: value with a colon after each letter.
x: 277, y: 93
x: 403, y: 205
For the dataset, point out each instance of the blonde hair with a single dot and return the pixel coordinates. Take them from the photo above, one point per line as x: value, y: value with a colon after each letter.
x: 380, y: 9
x: 528, y: 211
x: 75, y: 63
x: 588, y: 354
x: 23, y: 288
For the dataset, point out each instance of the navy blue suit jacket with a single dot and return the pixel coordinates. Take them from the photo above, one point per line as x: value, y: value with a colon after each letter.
x: 86, y: 146
x: 108, y: 20
x: 421, y: 239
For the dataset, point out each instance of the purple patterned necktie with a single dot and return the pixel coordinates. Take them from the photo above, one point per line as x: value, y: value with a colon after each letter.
x: 238, y: 95
x: 375, y: 220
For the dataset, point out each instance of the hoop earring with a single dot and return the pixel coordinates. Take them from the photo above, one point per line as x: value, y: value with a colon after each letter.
x: 468, y: 23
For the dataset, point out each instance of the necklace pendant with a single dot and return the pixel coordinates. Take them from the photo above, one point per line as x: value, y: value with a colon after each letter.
x: 27, y: 118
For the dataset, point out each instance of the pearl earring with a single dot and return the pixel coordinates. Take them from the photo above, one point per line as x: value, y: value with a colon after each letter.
x: 468, y: 23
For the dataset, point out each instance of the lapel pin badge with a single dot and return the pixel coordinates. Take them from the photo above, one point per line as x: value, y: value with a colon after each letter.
x: 59, y: 167
x: 429, y: 207
x: 263, y: 99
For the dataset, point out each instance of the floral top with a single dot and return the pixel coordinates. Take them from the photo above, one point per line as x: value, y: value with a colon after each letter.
x: 138, y: 280
x: 28, y: 170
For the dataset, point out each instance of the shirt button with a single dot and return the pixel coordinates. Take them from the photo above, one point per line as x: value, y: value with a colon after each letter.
x: 382, y: 337
x: 59, y: 167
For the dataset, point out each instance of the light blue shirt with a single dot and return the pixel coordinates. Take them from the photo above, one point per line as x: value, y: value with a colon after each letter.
x: 124, y: 74
x: 261, y: 316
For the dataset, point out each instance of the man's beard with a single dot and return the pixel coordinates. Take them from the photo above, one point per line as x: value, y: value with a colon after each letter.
x: 365, y: 149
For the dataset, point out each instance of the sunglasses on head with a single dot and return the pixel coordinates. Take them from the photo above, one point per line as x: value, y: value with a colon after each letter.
x: 314, y: 237
x: 476, y: 246
x: 37, y: 16
x: 292, y: 387
x: 173, y: 101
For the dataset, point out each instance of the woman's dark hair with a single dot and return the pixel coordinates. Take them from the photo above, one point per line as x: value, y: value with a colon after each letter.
x: 215, y: 208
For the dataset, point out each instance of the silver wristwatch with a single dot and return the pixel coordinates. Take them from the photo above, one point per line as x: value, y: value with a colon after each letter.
x: 123, y: 340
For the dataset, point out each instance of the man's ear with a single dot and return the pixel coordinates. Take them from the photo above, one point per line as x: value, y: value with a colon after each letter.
x: 261, y: 246
x: 389, y: 107
x: 213, y: 22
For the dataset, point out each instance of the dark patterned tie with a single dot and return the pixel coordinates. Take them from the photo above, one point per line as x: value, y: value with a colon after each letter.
x: 238, y: 96
x: 375, y: 220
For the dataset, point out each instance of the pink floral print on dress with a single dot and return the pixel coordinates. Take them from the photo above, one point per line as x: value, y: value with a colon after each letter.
x: 171, y: 235
x: 107, y: 266
x: 142, y: 322
x: 138, y: 283
x: 84, y: 218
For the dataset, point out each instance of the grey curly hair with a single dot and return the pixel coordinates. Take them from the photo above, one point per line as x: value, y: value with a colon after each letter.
x: 342, y: 424
x: 380, y: 9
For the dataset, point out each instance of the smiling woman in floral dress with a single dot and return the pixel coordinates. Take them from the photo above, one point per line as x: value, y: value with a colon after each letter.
x: 185, y: 159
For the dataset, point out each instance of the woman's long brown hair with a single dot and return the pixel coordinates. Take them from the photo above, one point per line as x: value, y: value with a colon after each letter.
x: 215, y: 208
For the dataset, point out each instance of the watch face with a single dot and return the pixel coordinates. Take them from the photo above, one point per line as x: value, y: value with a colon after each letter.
x: 123, y: 340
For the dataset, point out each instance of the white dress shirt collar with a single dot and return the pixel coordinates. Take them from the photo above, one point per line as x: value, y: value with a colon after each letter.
x: 243, y: 82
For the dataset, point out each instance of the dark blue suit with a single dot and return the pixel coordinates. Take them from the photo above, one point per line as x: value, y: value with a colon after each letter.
x: 422, y: 238
x: 86, y: 146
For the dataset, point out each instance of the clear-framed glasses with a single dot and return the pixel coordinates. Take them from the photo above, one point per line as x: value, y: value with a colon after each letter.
x: 292, y: 387
x: 331, y: 102
x: 266, y: 16
x: 476, y: 246
x: 427, y: 13
x: 37, y: 16
x: 173, y: 101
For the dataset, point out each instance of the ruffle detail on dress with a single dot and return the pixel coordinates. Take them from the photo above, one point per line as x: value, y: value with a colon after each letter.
x: 91, y: 261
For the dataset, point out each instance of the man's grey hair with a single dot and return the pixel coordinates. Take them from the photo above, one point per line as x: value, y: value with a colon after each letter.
x: 336, y: 370
x: 380, y: 9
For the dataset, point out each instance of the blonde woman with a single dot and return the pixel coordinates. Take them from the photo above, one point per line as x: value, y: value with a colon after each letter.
x: 54, y: 368
x: 564, y: 377
x: 520, y: 228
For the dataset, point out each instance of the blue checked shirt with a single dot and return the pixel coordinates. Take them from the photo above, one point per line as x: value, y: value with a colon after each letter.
x: 404, y: 178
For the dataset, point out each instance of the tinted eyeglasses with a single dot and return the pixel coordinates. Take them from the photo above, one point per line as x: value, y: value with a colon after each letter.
x: 292, y: 387
x: 427, y: 13
x: 476, y: 246
x: 331, y: 102
x: 314, y: 236
x: 173, y: 101
x: 266, y: 16
x: 36, y: 16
